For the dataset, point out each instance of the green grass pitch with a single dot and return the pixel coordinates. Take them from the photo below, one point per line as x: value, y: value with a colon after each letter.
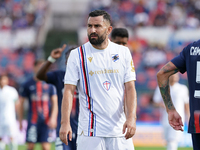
x: 38, y: 147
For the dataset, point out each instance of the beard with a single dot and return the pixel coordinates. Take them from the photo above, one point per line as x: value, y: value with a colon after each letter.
x: 97, y: 41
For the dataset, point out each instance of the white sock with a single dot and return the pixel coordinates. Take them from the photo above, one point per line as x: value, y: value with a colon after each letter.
x: 13, y: 146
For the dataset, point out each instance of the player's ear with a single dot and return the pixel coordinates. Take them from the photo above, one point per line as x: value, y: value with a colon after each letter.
x: 109, y: 30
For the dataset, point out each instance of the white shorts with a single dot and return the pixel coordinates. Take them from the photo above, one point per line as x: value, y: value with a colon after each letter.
x: 7, y: 130
x: 104, y: 143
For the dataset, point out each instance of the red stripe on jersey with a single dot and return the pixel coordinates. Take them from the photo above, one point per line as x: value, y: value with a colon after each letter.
x: 86, y: 90
x: 39, y: 95
x: 34, y: 112
x: 85, y: 78
x: 196, y: 121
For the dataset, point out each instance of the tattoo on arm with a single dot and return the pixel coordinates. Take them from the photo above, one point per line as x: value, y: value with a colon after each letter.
x: 164, y: 86
x: 165, y: 92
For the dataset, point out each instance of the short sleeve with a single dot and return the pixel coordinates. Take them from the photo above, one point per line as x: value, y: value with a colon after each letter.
x: 24, y: 91
x: 130, y: 69
x: 157, y: 95
x: 180, y: 61
x: 72, y: 71
x: 52, y: 90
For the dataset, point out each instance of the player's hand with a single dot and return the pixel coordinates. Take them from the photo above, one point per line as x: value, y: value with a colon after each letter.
x: 52, y: 123
x: 56, y: 53
x: 175, y: 120
x: 65, y: 130
x: 130, y: 125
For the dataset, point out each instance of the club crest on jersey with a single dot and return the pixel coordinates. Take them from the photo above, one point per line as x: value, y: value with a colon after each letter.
x: 107, y: 85
x: 115, y: 57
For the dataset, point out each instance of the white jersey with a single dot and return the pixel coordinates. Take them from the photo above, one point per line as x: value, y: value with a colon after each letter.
x: 8, y: 96
x: 180, y: 97
x: 100, y: 76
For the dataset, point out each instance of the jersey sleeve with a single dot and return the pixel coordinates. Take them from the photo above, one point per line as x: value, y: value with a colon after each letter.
x: 24, y: 90
x: 52, y: 90
x: 51, y: 76
x: 180, y: 60
x: 157, y: 95
x: 72, y: 71
x: 130, y: 69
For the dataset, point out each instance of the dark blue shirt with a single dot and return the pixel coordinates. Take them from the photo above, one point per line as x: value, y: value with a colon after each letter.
x: 189, y: 60
x: 56, y: 78
x: 39, y: 95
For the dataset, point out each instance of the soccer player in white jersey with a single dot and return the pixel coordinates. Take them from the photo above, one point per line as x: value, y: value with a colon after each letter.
x: 8, y: 103
x: 101, y: 70
x: 180, y: 98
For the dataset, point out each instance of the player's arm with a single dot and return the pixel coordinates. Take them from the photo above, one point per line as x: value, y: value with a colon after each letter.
x: 130, y: 109
x: 187, y: 111
x: 21, y: 111
x: 55, y: 54
x: 66, y: 108
x: 54, y: 111
x: 163, y: 82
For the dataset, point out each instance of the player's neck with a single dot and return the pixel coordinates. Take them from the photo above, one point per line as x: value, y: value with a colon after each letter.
x: 103, y: 45
x: 2, y: 86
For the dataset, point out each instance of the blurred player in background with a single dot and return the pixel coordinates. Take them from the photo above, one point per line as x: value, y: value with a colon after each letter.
x: 101, y: 70
x: 180, y: 98
x: 8, y: 104
x: 56, y: 78
x: 120, y: 36
x: 43, y: 110
x: 188, y: 60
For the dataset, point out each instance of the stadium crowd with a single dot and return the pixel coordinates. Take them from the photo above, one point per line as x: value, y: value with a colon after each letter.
x: 21, y: 21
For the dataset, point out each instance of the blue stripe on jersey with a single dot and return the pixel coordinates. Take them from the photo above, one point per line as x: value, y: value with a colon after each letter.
x: 82, y: 75
x: 89, y: 123
x: 91, y: 100
x: 94, y: 124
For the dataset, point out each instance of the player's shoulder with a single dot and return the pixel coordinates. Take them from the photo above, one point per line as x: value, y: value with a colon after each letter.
x: 10, y: 88
x: 119, y: 48
x: 192, y: 45
x: 28, y: 81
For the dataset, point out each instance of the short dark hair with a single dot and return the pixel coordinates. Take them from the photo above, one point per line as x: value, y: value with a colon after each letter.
x: 103, y: 13
x: 121, y: 32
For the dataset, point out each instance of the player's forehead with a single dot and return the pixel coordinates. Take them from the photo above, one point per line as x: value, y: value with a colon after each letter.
x: 3, y: 77
x: 96, y: 20
x: 121, y: 39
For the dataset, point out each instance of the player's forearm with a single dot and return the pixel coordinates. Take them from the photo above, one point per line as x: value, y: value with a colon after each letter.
x: 66, y: 105
x: 42, y: 73
x: 131, y: 101
x: 163, y: 83
x: 54, y: 108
